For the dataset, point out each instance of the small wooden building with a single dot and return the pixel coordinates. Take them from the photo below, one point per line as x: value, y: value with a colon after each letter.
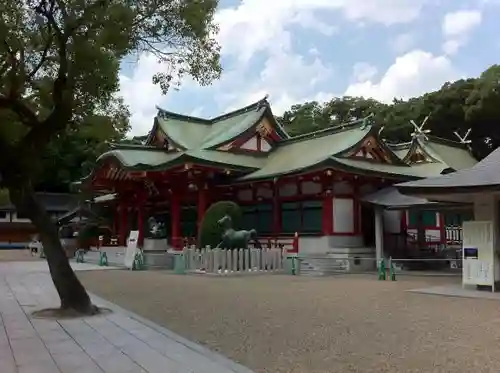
x: 16, y: 230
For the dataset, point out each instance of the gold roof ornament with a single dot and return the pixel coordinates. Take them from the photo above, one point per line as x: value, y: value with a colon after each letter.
x: 264, y: 129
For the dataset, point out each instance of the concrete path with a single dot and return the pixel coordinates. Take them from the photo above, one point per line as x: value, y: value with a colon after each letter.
x: 120, y: 342
x: 456, y: 290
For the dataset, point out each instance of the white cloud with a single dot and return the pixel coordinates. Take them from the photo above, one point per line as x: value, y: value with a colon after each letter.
x: 264, y: 26
x: 140, y: 94
x: 247, y: 29
x: 403, y: 42
x: 457, y: 27
x: 287, y: 78
x: 363, y: 71
x: 411, y: 75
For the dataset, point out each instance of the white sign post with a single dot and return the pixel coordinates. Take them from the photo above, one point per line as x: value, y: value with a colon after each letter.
x: 478, y: 253
x: 131, y: 249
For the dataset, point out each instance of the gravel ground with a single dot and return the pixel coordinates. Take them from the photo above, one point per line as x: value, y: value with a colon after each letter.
x: 312, y: 325
x: 17, y: 256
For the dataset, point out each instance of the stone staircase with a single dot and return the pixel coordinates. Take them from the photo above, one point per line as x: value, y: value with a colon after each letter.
x: 322, y: 266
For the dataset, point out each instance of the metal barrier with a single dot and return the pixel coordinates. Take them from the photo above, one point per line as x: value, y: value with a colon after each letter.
x: 327, y: 265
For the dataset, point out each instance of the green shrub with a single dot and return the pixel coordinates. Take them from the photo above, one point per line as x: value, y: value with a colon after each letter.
x: 210, y: 232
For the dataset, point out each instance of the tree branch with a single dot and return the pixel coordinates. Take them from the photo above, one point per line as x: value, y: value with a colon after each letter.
x: 25, y: 114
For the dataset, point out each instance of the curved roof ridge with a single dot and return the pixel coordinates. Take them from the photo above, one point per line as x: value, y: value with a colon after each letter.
x: 118, y: 146
x: 398, y: 145
x: 328, y: 131
x: 448, y: 142
x: 255, y: 105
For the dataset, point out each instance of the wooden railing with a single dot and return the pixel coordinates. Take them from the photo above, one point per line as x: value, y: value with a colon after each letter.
x: 454, y: 235
x: 290, y: 243
x: 222, y: 261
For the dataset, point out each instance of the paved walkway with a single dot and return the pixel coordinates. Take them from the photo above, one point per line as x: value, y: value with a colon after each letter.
x: 120, y: 342
x: 456, y: 290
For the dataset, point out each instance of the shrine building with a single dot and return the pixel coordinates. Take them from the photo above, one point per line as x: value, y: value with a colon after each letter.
x: 312, y: 184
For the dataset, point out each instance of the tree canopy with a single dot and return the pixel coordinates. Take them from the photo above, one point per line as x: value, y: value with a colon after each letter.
x: 59, y: 78
x: 456, y: 107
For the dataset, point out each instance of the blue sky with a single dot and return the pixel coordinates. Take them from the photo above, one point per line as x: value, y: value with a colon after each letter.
x: 300, y: 50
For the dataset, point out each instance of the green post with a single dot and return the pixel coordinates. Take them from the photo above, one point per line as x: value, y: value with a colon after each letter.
x: 292, y: 264
x: 103, y: 259
x: 79, y: 256
x: 138, y: 264
x: 392, y: 270
x: 42, y: 253
x: 179, y: 263
x: 381, y: 270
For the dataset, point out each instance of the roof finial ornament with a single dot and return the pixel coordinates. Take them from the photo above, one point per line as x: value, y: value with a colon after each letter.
x: 419, y: 131
x: 463, y: 140
x: 262, y: 102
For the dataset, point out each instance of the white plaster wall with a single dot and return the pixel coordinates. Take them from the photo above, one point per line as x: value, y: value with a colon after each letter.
x: 345, y: 242
x: 332, y: 244
x: 250, y: 144
x: 264, y: 146
x: 313, y: 245
x: 343, y: 215
x: 392, y: 221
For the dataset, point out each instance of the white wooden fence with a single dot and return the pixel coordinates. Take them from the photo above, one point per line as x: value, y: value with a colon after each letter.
x: 222, y: 261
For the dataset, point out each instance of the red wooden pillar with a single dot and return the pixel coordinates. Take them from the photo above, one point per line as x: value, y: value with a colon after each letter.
x: 442, y: 228
x: 116, y: 222
x: 327, y: 217
x: 203, y: 202
x: 175, y: 215
x: 140, y: 225
x: 123, y: 225
x: 356, y: 208
x: 404, y: 222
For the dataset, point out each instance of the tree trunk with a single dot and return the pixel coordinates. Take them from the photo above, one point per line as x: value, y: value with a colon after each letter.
x: 70, y: 290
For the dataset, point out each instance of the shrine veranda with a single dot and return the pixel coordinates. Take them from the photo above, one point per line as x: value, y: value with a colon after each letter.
x: 312, y: 184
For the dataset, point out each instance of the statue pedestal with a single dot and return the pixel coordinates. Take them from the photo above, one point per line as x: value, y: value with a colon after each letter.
x: 155, y: 244
x: 156, y: 253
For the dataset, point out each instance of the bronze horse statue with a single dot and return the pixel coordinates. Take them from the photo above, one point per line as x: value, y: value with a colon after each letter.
x: 233, y: 239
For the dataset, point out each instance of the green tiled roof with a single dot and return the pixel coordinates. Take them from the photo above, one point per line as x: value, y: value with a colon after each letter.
x: 227, y: 129
x: 414, y: 171
x: 135, y: 158
x: 301, y: 153
x: 187, y: 134
x: 196, y: 133
x: 230, y: 159
x: 453, y: 155
x: 157, y: 159
x: 330, y: 147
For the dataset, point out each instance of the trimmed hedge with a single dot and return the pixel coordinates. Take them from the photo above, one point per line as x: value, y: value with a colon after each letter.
x: 210, y: 232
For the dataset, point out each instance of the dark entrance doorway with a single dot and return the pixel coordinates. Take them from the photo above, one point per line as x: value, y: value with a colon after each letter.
x: 368, y: 224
